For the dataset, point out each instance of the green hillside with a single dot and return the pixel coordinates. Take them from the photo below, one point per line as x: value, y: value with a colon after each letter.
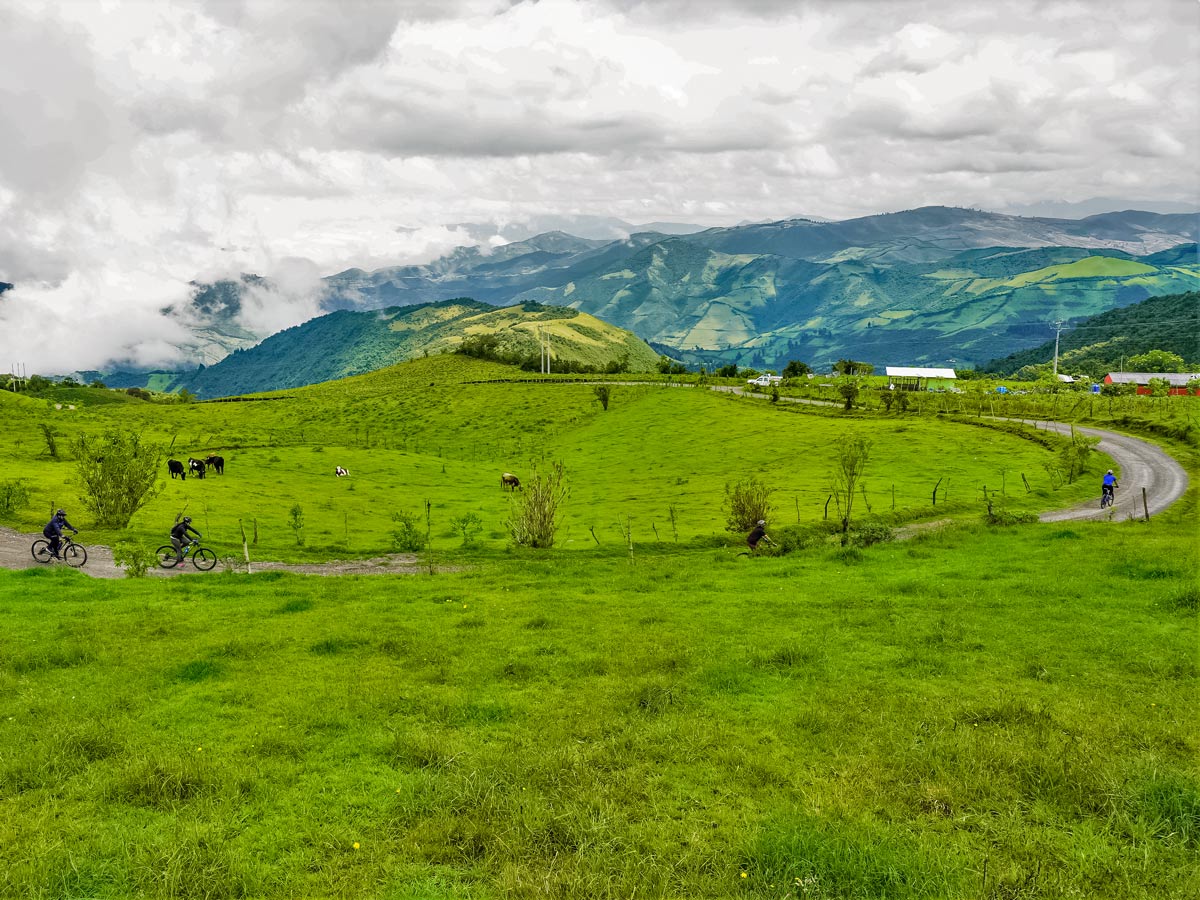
x: 348, y: 343
x: 764, y: 310
x: 1099, y: 344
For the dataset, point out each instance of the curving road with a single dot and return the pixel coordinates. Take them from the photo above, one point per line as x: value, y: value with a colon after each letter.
x: 1143, y: 466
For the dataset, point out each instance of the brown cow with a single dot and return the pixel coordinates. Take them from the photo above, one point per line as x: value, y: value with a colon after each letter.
x: 510, y: 481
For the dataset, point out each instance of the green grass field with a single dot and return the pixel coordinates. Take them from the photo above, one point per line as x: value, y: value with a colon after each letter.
x: 657, y: 461
x: 974, y: 713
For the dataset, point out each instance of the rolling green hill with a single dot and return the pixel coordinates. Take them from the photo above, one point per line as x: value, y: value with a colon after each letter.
x: 349, y: 342
x: 1098, y: 345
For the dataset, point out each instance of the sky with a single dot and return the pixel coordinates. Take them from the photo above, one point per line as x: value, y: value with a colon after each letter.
x: 150, y: 144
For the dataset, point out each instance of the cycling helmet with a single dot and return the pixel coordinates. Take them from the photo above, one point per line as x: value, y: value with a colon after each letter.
x: 61, y: 512
x: 762, y: 521
x: 187, y: 520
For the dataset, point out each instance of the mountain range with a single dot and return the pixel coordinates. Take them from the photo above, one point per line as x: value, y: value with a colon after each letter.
x: 936, y: 285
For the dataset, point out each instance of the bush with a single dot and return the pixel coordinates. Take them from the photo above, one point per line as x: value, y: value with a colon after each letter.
x: 133, y: 558
x: 118, y: 472
x: 407, y: 536
x: 869, y: 532
x: 13, y: 495
x: 467, y: 526
x: 746, y: 503
x: 534, y: 518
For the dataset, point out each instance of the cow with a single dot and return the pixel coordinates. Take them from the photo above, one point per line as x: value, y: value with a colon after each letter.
x: 197, y: 466
x: 175, y: 467
x: 340, y: 472
x: 510, y: 481
x: 216, y: 463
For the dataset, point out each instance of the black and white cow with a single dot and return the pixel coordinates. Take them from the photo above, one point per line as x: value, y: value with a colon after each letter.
x: 510, y: 481
x: 196, y: 466
x: 340, y: 472
x: 175, y: 467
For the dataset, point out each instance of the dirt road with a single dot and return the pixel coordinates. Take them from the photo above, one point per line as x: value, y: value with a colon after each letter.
x: 15, y: 554
x: 1143, y: 466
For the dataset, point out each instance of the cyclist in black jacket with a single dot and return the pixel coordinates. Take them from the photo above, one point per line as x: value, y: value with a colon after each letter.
x: 54, y: 529
x: 179, y: 536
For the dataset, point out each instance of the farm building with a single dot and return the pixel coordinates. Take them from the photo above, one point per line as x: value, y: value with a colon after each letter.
x: 1178, y: 381
x: 906, y: 378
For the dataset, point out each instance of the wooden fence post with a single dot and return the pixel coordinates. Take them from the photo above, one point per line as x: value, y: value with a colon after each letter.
x: 1145, y: 506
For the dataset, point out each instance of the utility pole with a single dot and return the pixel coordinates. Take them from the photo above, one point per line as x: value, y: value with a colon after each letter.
x: 1057, y: 332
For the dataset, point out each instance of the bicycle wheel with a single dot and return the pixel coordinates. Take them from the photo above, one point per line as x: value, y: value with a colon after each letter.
x: 41, y: 551
x: 166, y: 556
x: 204, y: 559
x: 74, y: 555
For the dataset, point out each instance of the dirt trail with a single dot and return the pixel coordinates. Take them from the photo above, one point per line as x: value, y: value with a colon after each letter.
x: 15, y: 554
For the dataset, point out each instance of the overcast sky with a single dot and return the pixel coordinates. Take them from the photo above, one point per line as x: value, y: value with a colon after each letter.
x: 148, y: 144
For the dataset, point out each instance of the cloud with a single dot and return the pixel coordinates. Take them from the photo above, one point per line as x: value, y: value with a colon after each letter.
x: 159, y: 144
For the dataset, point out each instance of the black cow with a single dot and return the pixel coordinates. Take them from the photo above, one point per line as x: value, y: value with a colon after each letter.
x: 217, y: 464
x: 197, y: 467
x: 510, y: 481
x: 175, y: 467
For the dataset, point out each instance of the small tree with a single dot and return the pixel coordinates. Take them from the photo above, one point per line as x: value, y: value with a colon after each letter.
x: 746, y: 503
x: 849, y: 387
x: 13, y: 495
x: 533, y: 520
x: 1159, y: 387
x: 407, y: 536
x: 296, y: 522
x: 50, y: 433
x: 603, y: 393
x: 118, y: 471
x: 468, y: 525
x: 853, y: 367
x: 853, y: 454
x: 1077, y: 454
x: 796, y: 369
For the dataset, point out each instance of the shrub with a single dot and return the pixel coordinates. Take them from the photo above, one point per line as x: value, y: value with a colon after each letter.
x: 468, y: 527
x: 133, y: 558
x: 746, y: 503
x: 407, y: 536
x: 870, y: 532
x: 296, y: 522
x: 118, y: 472
x: 533, y: 521
x: 13, y: 495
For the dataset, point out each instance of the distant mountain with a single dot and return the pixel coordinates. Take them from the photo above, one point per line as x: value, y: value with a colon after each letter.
x: 931, y: 285
x: 604, y: 228
x: 1060, y: 209
x: 349, y: 342
x: 1100, y: 344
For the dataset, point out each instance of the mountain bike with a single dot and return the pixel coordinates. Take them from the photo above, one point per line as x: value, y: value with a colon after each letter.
x: 1107, y: 497
x: 68, y: 551
x: 202, y: 558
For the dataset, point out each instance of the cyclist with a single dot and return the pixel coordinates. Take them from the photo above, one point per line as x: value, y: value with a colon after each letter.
x: 1107, y: 497
x: 179, y: 538
x: 54, y: 529
x: 758, y: 534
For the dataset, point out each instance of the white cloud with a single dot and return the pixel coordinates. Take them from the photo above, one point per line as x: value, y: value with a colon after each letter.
x: 159, y: 143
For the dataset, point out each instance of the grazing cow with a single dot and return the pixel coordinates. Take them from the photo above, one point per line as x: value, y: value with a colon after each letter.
x: 217, y: 464
x: 197, y: 466
x: 340, y: 472
x: 175, y: 467
x: 510, y: 481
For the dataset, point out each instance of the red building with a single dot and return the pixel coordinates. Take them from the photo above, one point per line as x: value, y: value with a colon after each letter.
x: 1177, y: 380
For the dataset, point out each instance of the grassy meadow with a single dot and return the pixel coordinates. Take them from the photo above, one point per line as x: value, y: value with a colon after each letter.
x: 656, y: 463
x: 973, y: 713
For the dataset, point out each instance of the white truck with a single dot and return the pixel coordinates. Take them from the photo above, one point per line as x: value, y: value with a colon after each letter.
x: 765, y: 380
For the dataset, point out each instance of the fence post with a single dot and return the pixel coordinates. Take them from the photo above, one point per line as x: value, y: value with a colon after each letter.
x: 1145, y: 506
x: 245, y: 546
